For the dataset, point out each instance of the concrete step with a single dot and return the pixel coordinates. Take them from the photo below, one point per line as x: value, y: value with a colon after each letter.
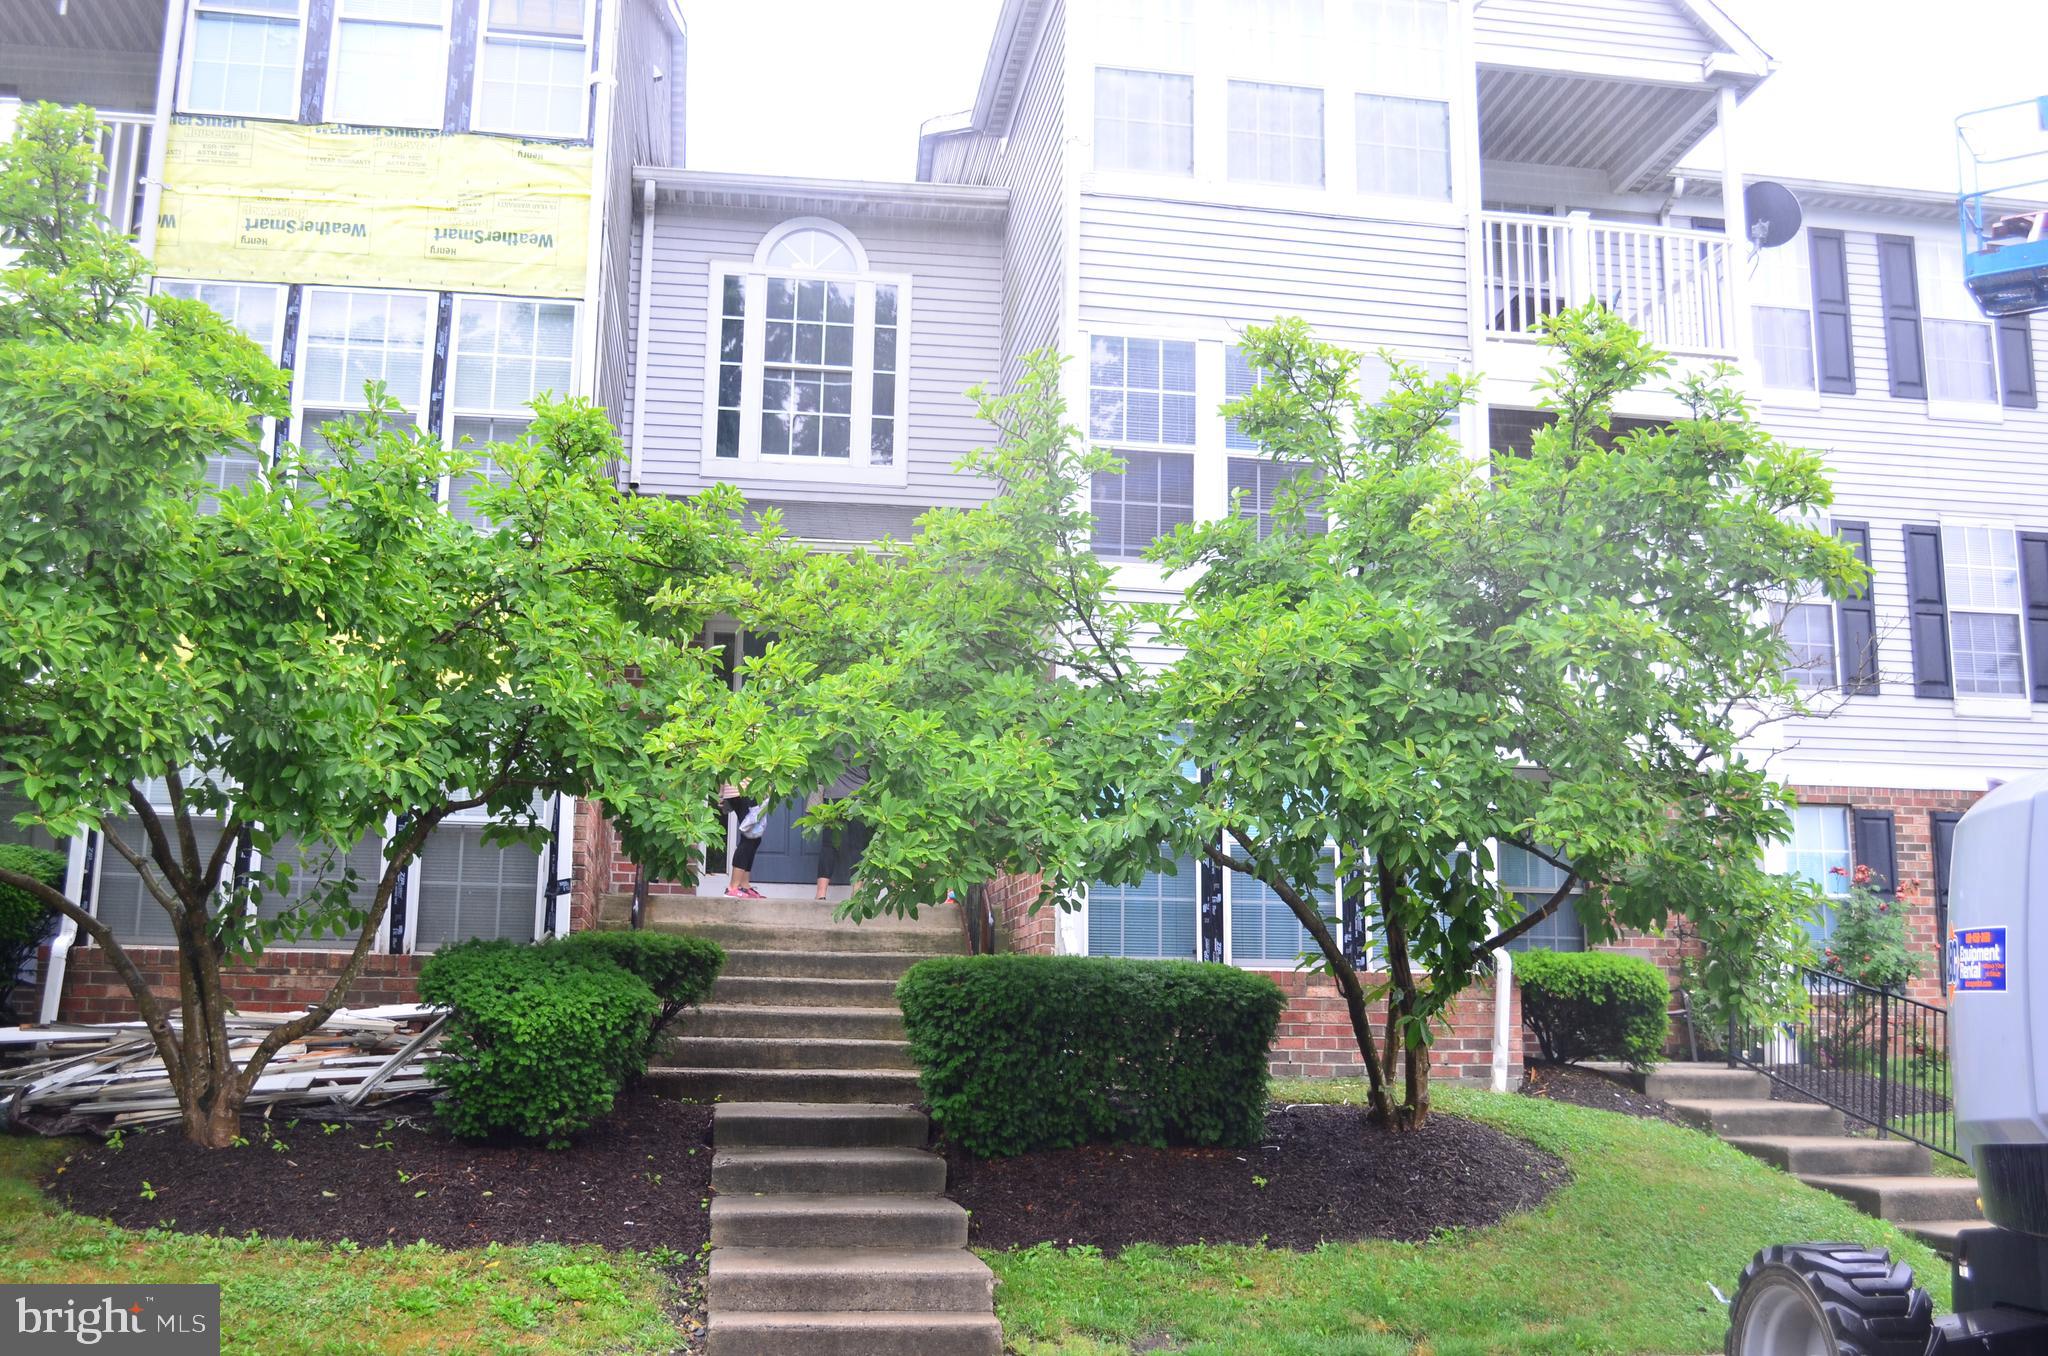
x: 817, y: 1125
x: 786, y: 991
x: 889, y: 965
x: 888, y: 1280
x: 1837, y: 1155
x: 829, y: 1171
x: 1757, y: 1118
x: 894, y: 1086
x: 794, y: 1023
x: 1700, y: 1083
x: 688, y: 910
x: 743, y: 934
x: 1940, y: 1234
x: 761, y: 1052
x: 826, y: 1220
x: 853, y: 1334
x: 1903, y: 1199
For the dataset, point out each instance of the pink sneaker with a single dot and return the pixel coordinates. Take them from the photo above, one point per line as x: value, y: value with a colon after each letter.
x: 737, y: 894
x: 751, y: 893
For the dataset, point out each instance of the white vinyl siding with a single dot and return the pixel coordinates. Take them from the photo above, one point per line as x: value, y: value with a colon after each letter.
x: 242, y: 58
x: 505, y: 353
x: 1144, y: 121
x: 1157, y: 919
x: 389, y: 64
x: 533, y: 75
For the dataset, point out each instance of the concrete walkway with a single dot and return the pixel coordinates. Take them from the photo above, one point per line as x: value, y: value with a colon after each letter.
x: 831, y: 1234
x: 1890, y: 1178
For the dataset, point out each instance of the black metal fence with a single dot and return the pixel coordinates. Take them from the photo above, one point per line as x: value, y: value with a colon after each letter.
x: 1877, y: 1056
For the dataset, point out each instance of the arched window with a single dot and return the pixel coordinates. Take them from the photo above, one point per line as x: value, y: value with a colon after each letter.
x: 805, y: 360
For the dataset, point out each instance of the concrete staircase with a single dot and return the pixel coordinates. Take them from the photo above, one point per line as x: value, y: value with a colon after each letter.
x: 1890, y: 1178
x: 830, y: 1231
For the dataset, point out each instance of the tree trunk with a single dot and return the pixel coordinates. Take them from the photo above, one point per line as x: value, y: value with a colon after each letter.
x: 1402, y: 997
x: 213, y: 1115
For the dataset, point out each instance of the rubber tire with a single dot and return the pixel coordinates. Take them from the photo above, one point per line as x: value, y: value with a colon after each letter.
x: 1868, y: 1302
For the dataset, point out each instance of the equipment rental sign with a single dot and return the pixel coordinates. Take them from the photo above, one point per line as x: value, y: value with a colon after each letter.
x: 377, y: 207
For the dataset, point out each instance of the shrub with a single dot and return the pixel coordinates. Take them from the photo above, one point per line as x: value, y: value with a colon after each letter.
x: 1045, y: 1052
x: 679, y: 969
x: 24, y: 919
x: 1593, y: 1005
x: 540, y: 1039
x: 1869, y: 943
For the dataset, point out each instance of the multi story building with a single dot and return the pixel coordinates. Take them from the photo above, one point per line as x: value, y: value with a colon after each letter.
x: 434, y: 194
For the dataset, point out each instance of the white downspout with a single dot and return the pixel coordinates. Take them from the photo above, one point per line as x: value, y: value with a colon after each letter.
x: 1503, y: 997
x: 640, y: 325
x: 67, y: 932
x: 167, y: 67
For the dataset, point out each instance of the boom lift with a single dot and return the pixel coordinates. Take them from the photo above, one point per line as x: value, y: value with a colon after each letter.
x: 2002, y: 154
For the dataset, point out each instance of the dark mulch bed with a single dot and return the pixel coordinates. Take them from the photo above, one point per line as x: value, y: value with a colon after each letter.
x: 636, y: 1180
x: 1328, y: 1174
x: 1846, y: 1088
x: 1589, y: 1087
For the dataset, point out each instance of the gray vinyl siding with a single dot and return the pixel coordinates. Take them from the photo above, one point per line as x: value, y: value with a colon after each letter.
x: 956, y: 338
x: 641, y: 133
x: 1157, y: 263
x: 1529, y: 31
x: 1892, y: 465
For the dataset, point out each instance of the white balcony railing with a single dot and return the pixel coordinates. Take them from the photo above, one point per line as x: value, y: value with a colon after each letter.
x: 1670, y: 284
x: 124, y: 153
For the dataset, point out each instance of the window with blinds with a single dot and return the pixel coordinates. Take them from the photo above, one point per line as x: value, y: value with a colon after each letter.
x: 470, y: 888
x: 315, y: 870
x: 123, y: 900
x: 1255, y: 488
x: 1158, y: 918
x: 1263, y: 930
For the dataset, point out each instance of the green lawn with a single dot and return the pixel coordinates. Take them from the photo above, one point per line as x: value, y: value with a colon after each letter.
x: 284, y: 1299
x: 1619, y: 1261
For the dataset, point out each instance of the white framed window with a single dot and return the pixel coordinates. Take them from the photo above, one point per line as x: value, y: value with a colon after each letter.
x: 462, y: 887
x: 388, y: 66
x: 349, y: 337
x: 1144, y: 120
x: 503, y: 354
x: 1141, y: 391
x: 1404, y: 147
x: 242, y: 58
x: 1781, y: 296
x: 1403, y: 46
x: 1152, y: 495
x: 1281, y: 38
x: 533, y: 68
x: 1530, y: 881
x: 1255, y: 486
x: 1159, y: 918
x: 1962, y: 359
x: 257, y: 310
x: 317, y: 871
x: 1981, y: 573
x: 1809, y: 632
x: 121, y: 896
x: 1818, y: 852
x: 1148, y: 32
x: 1276, y: 134
x: 1262, y: 933
x: 808, y: 367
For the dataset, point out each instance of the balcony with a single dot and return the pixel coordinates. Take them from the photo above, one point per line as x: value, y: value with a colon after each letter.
x: 124, y: 161
x: 1673, y: 285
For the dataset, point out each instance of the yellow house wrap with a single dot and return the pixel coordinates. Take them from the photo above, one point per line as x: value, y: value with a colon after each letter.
x: 374, y: 207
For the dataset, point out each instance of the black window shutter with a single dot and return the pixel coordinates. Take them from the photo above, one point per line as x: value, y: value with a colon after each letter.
x: 2034, y: 596
x: 1856, y: 619
x: 1835, y: 351
x: 1944, y: 828
x: 1898, y: 283
x: 2016, y: 362
x: 1874, y: 840
x: 1927, y: 605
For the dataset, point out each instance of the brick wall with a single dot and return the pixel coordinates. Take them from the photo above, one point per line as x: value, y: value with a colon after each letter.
x: 1315, y: 1039
x: 281, y: 980
x: 1019, y: 929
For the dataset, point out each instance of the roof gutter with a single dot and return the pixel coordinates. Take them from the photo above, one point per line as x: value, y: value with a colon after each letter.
x: 645, y: 309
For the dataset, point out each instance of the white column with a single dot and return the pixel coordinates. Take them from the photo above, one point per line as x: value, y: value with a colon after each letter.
x: 1735, y: 223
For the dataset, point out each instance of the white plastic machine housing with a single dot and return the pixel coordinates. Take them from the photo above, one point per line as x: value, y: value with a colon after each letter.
x: 1998, y: 1038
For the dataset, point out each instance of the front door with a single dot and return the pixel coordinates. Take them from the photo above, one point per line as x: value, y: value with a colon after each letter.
x: 788, y: 856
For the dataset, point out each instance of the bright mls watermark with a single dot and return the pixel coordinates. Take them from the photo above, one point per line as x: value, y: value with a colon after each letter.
x: 160, y: 1320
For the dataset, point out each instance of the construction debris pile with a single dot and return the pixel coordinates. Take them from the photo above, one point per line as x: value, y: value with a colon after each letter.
x: 62, y: 1079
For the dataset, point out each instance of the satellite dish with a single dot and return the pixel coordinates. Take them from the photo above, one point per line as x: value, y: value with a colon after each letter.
x: 1773, y: 214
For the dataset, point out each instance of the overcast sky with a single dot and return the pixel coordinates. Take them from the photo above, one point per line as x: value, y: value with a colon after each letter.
x: 1866, y: 91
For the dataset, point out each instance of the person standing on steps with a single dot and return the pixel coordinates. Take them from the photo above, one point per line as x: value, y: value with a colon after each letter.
x: 839, y: 846
x: 753, y: 823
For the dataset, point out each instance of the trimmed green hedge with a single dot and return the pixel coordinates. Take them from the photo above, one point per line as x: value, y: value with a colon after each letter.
x: 1045, y: 1052
x: 24, y: 919
x: 1594, y: 1005
x: 679, y: 969
x: 540, y: 1039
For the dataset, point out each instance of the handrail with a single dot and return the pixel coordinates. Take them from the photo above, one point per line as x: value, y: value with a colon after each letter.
x: 1873, y: 1054
x: 1672, y: 283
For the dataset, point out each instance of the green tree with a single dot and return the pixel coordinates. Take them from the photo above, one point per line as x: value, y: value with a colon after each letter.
x: 1419, y: 657
x: 312, y: 655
